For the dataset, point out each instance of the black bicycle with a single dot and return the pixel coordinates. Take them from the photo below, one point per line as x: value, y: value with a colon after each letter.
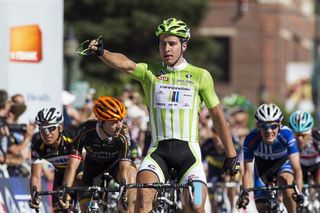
x: 312, y: 203
x: 219, y: 190
x: 168, y: 194
x: 274, y: 205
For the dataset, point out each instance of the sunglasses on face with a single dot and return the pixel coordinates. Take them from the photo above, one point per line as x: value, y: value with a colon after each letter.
x: 269, y: 126
x: 302, y: 135
x: 48, y: 129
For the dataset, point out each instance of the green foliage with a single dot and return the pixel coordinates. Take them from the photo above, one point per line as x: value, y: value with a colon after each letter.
x: 128, y: 27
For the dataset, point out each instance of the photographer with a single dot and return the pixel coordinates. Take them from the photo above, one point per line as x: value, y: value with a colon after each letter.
x: 18, y: 151
x: 4, y: 130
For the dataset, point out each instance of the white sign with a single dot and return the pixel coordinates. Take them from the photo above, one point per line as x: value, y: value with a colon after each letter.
x: 31, y: 54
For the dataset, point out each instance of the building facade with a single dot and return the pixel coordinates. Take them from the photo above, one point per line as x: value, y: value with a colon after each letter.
x: 263, y: 37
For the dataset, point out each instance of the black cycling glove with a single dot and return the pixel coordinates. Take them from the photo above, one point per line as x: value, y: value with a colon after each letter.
x: 243, y: 200
x: 34, y: 203
x: 100, y: 49
x: 231, y: 166
x: 299, y: 198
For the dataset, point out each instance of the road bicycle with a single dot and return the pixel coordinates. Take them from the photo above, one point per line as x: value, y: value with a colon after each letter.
x: 312, y: 203
x: 219, y: 192
x: 274, y: 205
x: 167, y: 199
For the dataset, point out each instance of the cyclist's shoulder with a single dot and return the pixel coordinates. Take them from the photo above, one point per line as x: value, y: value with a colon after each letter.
x: 89, y: 124
x: 85, y: 128
x: 285, y: 132
x: 316, y: 134
x: 152, y: 66
x: 254, y: 134
x: 196, y: 68
x: 36, y: 140
x: 68, y: 136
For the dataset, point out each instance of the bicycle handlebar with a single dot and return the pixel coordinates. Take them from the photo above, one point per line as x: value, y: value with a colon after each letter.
x: 75, y: 189
x: 273, y: 187
x: 244, y: 192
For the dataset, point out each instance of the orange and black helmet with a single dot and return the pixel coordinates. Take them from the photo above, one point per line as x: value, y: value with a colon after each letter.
x: 109, y: 108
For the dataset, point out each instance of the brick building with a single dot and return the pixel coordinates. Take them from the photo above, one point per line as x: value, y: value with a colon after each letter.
x: 262, y: 37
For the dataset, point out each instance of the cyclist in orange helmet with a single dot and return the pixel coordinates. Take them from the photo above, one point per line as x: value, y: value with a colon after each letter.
x: 107, y: 143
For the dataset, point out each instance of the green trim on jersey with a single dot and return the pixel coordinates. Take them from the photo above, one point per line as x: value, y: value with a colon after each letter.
x: 174, y: 99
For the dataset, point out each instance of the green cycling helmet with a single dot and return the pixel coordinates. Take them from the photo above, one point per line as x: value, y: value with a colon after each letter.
x: 175, y: 27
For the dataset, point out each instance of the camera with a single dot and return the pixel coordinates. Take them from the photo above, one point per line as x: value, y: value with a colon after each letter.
x: 14, y: 127
x: 17, y: 127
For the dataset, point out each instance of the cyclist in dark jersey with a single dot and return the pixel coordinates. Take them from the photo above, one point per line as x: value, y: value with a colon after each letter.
x: 213, y: 156
x: 107, y: 145
x: 53, y: 144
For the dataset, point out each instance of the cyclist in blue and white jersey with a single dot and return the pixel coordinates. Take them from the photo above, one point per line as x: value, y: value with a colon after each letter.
x: 174, y: 90
x: 271, y: 154
x: 301, y: 124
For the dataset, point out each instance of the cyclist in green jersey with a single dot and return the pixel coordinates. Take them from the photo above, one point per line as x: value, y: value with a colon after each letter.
x: 174, y: 90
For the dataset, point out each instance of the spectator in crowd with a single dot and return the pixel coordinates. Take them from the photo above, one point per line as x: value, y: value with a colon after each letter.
x: 71, y: 115
x: 205, y: 125
x: 4, y: 109
x: 137, y: 119
x: 4, y: 130
x: 86, y: 111
x: 126, y: 93
x: 18, y: 149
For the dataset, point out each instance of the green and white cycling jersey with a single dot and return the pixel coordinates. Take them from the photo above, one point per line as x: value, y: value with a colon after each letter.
x: 174, y: 97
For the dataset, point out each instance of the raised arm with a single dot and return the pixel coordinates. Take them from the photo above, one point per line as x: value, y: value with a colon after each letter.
x: 116, y: 61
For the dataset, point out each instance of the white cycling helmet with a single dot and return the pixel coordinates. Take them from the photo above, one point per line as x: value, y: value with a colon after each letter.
x: 268, y: 113
x: 48, y: 117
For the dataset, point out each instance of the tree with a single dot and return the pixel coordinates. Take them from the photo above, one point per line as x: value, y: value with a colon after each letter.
x: 128, y: 27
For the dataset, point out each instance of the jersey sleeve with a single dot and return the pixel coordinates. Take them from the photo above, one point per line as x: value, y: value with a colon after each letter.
x: 77, y: 147
x: 248, y: 150
x: 207, y: 91
x: 140, y: 72
x: 292, y: 146
x: 35, y: 143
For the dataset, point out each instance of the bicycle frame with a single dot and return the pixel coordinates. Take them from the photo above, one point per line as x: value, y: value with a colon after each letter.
x: 218, y: 190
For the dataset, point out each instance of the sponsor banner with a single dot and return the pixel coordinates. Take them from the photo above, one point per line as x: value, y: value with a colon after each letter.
x: 15, y: 196
x: 31, y: 57
x: 25, y: 44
